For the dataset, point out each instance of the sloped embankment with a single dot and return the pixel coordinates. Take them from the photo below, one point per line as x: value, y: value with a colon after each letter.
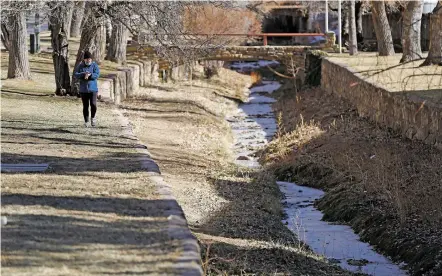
x: 387, y: 188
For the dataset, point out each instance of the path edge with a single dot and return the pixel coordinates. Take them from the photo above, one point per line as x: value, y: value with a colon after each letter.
x: 189, y: 261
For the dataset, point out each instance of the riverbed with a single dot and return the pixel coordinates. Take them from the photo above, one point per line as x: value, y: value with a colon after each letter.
x: 253, y: 126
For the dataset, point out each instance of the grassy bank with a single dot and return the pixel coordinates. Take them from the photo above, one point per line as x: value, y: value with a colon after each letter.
x: 424, y: 82
x: 235, y: 213
x: 387, y: 188
x: 94, y: 212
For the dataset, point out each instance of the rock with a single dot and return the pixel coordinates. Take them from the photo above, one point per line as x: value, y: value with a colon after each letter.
x: 360, y: 262
x: 242, y: 157
x: 334, y: 261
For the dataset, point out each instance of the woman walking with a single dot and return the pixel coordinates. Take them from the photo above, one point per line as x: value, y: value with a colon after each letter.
x: 88, y: 72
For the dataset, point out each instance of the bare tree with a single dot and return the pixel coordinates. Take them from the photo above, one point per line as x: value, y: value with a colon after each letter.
x: 411, y: 35
x: 359, y: 9
x: 77, y: 18
x: 60, y: 27
x: 118, y: 43
x: 93, y: 20
x: 18, y: 66
x: 162, y: 25
x: 5, y: 36
x: 14, y: 35
x: 382, y: 28
x: 98, y: 48
x: 353, y: 43
x: 435, y: 51
x: 70, y: 6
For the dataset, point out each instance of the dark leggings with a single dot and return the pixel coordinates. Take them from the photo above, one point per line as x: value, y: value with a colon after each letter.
x: 89, y: 98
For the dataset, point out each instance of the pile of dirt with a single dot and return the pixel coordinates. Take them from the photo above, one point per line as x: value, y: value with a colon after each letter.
x: 387, y: 188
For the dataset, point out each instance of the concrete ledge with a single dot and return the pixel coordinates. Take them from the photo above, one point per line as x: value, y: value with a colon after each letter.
x: 138, y: 65
x: 413, y: 117
x: 106, y: 87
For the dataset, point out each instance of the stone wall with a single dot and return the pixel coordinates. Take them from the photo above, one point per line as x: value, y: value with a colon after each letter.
x: 233, y: 53
x: 409, y: 115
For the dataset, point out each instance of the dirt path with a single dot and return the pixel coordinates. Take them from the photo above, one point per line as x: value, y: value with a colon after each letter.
x: 235, y: 213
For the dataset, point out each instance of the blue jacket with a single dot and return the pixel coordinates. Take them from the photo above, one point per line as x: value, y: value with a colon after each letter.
x: 89, y: 85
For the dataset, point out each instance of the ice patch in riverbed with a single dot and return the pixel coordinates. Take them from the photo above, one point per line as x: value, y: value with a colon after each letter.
x: 267, y: 87
x: 254, y: 124
x: 253, y: 65
x: 260, y: 99
x: 337, y: 242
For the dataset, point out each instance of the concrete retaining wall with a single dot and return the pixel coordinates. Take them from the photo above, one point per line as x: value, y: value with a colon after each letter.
x: 410, y: 115
x: 126, y: 81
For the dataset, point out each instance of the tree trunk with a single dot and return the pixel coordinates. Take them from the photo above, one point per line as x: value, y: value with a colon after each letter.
x: 18, y: 66
x: 359, y: 26
x: 118, y: 44
x: 353, y: 41
x: 88, y: 34
x: 435, y: 51
x: 77, y: 18
x: 98, y: 49
x: 345, y: 25
x: 70, y: 6
x: 59, y: 20
x: 382, y: 28
x: 5, y: 36
x: 411, y: 34
x: 108, y: 24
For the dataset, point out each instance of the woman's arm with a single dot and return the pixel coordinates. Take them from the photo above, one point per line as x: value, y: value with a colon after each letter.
x: 77, y: 72
x: 95, y: 73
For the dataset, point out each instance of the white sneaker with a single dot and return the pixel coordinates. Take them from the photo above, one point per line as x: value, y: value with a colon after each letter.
x: 93, y: 122
x: 86, y: 122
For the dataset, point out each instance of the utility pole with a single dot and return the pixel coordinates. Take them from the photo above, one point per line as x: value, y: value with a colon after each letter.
x: 37, y: 31
x: 326, y: 16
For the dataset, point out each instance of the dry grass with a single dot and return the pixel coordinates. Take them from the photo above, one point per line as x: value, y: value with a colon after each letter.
x: 235, y: 213
x: 94, y: 212
x: 79, y: 228
x: 424, y: 81
x: 381, y: 184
